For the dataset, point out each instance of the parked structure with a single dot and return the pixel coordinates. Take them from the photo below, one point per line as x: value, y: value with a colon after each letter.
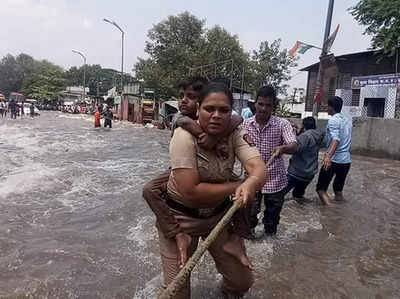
x: 136, y: 106
x: 366, y: 81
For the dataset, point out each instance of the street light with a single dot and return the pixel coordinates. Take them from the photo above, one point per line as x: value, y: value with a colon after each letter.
x: 84, y: 71
x: 122, y: 49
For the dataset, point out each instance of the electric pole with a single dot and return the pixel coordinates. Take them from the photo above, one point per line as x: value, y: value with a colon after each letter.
x: 319, y: 84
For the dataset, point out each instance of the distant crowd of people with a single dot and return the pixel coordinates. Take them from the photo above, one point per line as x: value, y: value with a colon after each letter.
x: 15, y: 109
x: 77, y: 109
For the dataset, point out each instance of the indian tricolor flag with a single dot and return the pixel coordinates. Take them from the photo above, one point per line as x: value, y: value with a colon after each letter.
x: 299, y: 47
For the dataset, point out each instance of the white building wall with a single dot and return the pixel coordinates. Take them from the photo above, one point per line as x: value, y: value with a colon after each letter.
x: 388, y: 92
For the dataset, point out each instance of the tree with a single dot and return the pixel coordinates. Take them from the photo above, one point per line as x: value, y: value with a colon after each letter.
x: 98, y: 79
x: 382, y: 18
x: 25, y: 67
x: 282, y: 110
x: 180, y: 43
x: 45, y: 82
x: 43, y: 79
x: 9, y: 75
x: 218, y: 46
x: 171, y: 49
x: 271, y: 66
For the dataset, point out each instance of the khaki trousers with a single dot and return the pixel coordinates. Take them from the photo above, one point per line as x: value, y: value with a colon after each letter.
x: 237, y: 278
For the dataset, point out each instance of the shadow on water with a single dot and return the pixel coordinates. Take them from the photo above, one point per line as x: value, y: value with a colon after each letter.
x: 73, y: 224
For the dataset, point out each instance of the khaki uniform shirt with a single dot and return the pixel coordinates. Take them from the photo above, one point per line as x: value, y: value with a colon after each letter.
x: 185, y: 153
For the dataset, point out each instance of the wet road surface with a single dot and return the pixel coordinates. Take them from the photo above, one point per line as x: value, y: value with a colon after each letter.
x: 73, y: 224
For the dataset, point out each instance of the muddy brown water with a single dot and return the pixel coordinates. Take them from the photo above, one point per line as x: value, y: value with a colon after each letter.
x: 73, y: 224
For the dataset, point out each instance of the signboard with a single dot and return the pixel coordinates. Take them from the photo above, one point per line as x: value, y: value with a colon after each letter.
x: 358, y: 82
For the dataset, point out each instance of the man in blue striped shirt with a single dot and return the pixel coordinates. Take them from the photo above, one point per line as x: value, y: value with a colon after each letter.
x: 337, y: 159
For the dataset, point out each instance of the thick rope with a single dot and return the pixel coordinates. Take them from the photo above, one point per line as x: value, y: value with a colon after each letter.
x: 184, y: 273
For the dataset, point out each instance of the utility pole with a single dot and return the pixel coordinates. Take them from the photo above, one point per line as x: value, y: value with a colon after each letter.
x: 318, y: 87
x: 84, y: 72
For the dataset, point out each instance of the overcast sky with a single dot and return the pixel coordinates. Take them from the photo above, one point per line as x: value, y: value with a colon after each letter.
x: 50, y: 29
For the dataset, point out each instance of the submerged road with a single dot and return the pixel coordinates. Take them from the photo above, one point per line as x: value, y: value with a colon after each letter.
x: 73, y: 223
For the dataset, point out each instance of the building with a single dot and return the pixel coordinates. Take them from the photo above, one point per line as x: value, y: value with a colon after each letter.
x: 73, y: 94
x: 136, y: 106
x: 131, y: 105
x: 295, y: 103
x: 367, y: 82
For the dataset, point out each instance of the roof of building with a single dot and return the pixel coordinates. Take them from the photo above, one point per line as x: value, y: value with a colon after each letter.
x: 351, y: 56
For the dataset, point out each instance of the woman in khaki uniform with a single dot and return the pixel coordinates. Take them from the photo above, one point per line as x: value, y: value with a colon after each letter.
x: 198, y: 194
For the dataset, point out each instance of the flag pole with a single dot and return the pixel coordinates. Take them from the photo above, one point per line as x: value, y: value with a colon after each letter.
x: 318, y: 87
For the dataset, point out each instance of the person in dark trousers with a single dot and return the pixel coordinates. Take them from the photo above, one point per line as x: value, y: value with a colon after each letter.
x: 22, y: 110
x: 108, y: 117
x: 13, y: 109
x: 268, y: 132
x: 337, y: 160
x: 32, y: 110
x: 303, y: 165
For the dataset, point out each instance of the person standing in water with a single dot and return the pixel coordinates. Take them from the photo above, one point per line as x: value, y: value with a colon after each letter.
x: 32, y: 110
x: 97, y: 117
x: 337, y: 160
x: 108, y: 116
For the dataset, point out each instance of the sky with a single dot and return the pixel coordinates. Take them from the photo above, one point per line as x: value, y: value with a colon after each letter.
x: 50, y: 29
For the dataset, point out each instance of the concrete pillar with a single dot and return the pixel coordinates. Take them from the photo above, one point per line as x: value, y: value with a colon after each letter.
x: 397, y: 104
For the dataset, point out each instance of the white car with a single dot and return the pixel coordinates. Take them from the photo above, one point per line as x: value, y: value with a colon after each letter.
x: 27, y: 110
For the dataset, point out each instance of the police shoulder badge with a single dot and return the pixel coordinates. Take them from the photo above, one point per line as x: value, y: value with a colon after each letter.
x: 248, y: 140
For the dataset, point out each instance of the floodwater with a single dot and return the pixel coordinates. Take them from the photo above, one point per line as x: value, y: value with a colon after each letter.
x: 73, y: 223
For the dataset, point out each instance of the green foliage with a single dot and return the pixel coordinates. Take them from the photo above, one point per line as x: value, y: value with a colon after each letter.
x: 271, y: 66
x: 98, y: 80
x: 181, y: 42
x: 44, y: 83
x: 10, y: 79
x: 171, y: 47
x: 382, y: 21
x: 43, y: 79
x: 36, y: 79
x: 282, y: 110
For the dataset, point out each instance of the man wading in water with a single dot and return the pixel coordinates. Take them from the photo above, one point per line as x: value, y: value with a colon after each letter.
x: 97, y: 117
x: 272, y: 135
x: 108, y: 116
x: 337, y: 160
